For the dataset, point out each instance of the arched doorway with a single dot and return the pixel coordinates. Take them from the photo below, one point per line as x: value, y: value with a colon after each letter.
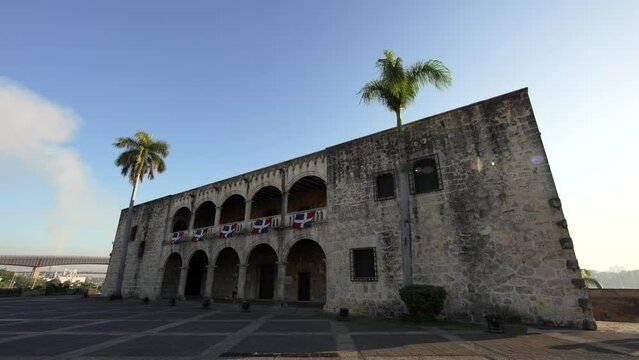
x: 196, y: 275
x: 233, y: 209
x: 171, y: 277
x: 266, y: 202
x: 226, y: 272
x: 261, y: 273
x: 306, y: 267
x: 307, y: 193
x: 204, y: 215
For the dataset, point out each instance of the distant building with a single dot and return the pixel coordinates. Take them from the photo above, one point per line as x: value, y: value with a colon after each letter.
x: 486, y: 222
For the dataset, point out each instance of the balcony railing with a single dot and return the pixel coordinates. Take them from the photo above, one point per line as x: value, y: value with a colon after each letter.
x: 244, y: 227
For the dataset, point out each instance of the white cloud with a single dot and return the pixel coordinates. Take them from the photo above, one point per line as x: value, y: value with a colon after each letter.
x: 36, y: 132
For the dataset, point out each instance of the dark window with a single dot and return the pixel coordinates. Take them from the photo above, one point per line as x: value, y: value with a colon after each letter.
x: 179, y: 226
x: 425, y: 176
x: 141, y: 249
x: 363, y: 265
x: 134, y: 231
x: 385, y: 186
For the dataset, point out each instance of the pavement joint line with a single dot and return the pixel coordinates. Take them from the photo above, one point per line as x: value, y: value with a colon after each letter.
x: 229, y: 342
x: 48, y: 332
x: 468, y: 345
x: 343, y: 339
x: 570, y: 336
x: 129, y: 337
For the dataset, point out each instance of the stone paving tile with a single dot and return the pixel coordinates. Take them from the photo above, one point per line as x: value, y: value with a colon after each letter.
x: 295, y: 326
x: 128, y: 326
x: 167, y: 316
x: 299, y: 317
x: 408, y: 345
x: 26, y: 315
x: 37, y: 326
x: 49, y: 344
x: 234, y: 316
x: 208, y: 327
x: 360, y: 326
x: 161, y: 345
x: 298, y: 344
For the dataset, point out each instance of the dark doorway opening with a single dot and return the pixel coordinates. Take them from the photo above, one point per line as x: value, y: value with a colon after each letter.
x: 304, y: 286
x: 267, y: 281
x: 196, y: 275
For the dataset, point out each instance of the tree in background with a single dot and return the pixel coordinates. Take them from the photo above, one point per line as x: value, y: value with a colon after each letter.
x: 142, y: 156
x: 397, y: 88
x: 590, y: 281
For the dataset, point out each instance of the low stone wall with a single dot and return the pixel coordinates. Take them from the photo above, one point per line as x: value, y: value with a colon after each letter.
x: 615, y: 304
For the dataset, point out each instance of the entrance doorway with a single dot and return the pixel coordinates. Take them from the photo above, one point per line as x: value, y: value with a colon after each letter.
x: 196, y: 275
x: 267, y: 281
x: 304, y: 286
x: 261, y: 273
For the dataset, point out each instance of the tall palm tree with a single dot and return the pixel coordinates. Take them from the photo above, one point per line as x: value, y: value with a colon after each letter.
x: 397, y: 88
x: 143, y: 156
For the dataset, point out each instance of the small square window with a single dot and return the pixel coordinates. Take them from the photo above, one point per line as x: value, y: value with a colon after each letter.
x: 385, y: 186
x: 363, y: 264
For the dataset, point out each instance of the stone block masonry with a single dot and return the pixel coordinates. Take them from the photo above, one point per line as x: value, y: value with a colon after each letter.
x: 486, y: 223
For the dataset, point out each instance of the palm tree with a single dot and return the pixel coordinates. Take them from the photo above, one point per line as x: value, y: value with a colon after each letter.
x: 591, y: 282
x: 142, y: 156
x: 397, y: 88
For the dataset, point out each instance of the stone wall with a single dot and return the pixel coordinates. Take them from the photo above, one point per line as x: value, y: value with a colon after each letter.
x: 615, y: 304
x: 492, y: 233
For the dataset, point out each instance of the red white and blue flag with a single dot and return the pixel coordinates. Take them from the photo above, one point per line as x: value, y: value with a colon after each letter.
x: 199, y: 234
x: 261, y: 226
x: 227, y: 231
x: 303, y: 220
x: 176, y: 237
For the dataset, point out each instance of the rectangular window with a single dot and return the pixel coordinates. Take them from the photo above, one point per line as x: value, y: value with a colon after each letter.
x: 141, y: 249
x: 425, y: 175
x: 134, y: 231
x: 363, y: 264
x: 385, y: 186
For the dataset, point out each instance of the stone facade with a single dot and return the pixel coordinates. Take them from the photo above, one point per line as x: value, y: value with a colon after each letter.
x: 488, y: 228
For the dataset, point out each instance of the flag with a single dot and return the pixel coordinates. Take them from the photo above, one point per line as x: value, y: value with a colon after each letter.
x: 176, y: 237
x: 303, y: 220
x: 227, y: 231
x: 199, y: 234
x: 261, y: 226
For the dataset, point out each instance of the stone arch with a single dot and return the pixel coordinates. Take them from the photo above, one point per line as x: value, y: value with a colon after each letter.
x: 261, y: 272
x: 171, y: 276
x: 196, y: 274
x: 256, y: 189
x: 267, y: 201
x: 181, y: 219
x: 205, y: 215
x: 306, y: 267
x: 233, y: 209
x: 297, y: 177
x: 226, y: 263
x: 308, y: 192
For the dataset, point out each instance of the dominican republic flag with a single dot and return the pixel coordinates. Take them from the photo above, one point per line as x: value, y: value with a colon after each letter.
x: 261, y: 226
x: 176, y: 237
x: 227, y: 231
x: 303, y: 220
x: 199, y: 234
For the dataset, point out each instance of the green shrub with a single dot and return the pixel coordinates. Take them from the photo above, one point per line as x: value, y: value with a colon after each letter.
x: 423, y: 300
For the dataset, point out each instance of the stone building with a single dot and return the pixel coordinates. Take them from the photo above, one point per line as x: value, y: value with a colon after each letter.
x: 486, y: 222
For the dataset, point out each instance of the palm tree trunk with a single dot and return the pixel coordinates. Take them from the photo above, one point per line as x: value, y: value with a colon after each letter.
x: 125, y: 241
x: 404, y: 206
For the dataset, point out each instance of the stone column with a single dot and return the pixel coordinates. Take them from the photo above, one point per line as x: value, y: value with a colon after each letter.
x: 247, y: 214
x: 208, y: 287
x: 281, y: 278
x: 191, y: 222
x: 241, y: 281
x: 218, y: 213
x: 182, y: 284
x: 284, y: 208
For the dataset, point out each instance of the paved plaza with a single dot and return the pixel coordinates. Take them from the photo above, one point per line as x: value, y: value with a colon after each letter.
x: 68, y: 327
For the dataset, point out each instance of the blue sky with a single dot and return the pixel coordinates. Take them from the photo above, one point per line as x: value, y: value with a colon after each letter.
x: 240, y: 85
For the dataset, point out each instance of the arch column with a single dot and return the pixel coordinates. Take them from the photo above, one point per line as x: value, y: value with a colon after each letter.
x: 218, y: 213
x: 191, y: 222
x: 281, y: 278
x: 208, y: 287
x: 241, y: 281
x: 182, y: 284
x: 247, y: 213
x: 284, y: 208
